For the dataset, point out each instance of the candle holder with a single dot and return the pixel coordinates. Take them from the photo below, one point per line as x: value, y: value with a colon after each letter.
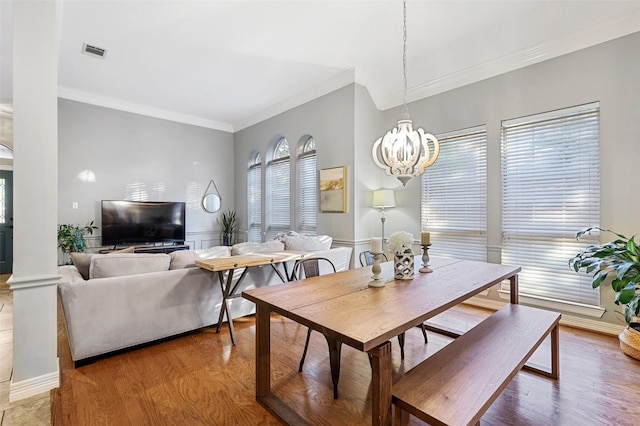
x: 425, y: 259
x: 376, y: 269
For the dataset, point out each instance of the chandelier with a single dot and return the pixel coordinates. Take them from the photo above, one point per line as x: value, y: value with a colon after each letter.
x: 404, y: 152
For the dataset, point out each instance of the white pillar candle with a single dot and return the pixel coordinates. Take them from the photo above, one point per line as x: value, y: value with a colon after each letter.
x: 376, y: 245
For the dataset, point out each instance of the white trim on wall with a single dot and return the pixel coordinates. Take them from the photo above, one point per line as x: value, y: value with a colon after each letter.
x: 34, y: 386
x: 567, y: 319
x: 120, y: 105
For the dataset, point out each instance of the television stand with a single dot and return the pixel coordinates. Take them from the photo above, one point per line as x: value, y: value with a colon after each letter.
x: 152, y: 249
x: 161, y: 249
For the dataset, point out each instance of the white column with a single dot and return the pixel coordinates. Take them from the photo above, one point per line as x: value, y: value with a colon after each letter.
x: 35, y: 131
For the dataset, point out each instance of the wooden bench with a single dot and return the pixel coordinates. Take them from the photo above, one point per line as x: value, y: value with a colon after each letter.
x: 457, y: 384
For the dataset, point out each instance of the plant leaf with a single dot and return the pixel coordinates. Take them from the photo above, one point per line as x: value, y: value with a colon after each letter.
x: 626, y: 295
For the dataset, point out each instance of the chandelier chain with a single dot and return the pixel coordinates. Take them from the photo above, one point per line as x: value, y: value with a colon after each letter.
x: 404, y: 56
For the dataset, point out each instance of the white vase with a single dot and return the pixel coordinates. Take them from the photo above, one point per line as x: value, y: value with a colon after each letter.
x: 404, y: 268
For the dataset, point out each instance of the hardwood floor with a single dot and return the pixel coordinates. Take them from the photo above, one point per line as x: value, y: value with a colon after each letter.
x: 200, y: 379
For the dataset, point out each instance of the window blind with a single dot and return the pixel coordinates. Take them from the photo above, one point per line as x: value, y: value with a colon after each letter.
x: 279, y: 204
x: 454, y: 196
x: 307, y: 183
x: 550, y: 191
x: 254, y: 200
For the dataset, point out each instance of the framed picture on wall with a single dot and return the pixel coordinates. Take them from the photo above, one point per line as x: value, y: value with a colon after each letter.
x: 333, y: 195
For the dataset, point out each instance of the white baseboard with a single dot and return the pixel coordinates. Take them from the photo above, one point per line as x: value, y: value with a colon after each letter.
x: 34, y: 386
x: 567, y: 320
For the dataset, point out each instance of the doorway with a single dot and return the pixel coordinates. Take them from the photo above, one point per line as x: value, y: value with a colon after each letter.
x: 6, y: 221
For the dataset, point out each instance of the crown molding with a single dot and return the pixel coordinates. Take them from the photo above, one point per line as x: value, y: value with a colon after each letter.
x: 339, y: 81
x: 577, y: 41
x: 118, y: 104
x: 497, y: 66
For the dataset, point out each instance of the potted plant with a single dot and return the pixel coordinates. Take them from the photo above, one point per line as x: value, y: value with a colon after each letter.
x: 619, y: 259
x: 71, y: 238
x: 228, y: 226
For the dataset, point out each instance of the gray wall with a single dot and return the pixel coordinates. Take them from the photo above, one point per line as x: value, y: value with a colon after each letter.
x: 329, y: 119
x: 345, y: 123
x: 138, y: 157
x: 607, y: 73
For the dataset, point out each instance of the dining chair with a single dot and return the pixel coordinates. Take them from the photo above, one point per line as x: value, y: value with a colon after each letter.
x: 366, y: 259
x: 310, y: 268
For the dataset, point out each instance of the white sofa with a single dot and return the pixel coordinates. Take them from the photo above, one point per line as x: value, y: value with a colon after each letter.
x: 132, y: 299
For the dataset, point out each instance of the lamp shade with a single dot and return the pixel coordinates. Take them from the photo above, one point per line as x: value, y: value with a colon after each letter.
x: 383, y: 198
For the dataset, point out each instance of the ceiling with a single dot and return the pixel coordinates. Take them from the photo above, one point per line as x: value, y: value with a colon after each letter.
x: 230, y: 64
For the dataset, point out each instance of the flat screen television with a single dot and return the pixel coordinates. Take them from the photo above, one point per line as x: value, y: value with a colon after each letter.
x: 142, y: 222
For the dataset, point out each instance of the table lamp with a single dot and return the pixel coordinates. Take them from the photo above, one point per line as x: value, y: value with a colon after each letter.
x: 382, y: 199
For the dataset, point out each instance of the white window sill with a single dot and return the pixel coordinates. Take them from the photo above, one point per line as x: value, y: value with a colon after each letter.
x: 575, y: 308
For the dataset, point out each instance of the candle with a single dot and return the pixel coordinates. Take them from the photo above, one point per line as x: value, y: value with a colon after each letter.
x: 376, y: 245
x: 426, y: 238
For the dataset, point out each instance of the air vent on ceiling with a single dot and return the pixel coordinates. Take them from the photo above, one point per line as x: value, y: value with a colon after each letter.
x: 94, y: 51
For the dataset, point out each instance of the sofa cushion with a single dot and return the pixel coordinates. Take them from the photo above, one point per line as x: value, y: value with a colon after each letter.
x: 248, y: 247
x: 307, y: 242
x: 211, y: 252
x: 116, y: 265
x: 82, y: 261
x: 182, y: 259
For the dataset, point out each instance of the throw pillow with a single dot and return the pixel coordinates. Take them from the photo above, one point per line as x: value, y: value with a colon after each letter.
x: 211, y: 252
x: 82, y: 261
x: 304, y: 243
x: 249, y: 247
x: 181, y: 259
x: 116, y: 265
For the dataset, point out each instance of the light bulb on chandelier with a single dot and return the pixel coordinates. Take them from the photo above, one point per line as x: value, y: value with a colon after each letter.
x: 403, y: 151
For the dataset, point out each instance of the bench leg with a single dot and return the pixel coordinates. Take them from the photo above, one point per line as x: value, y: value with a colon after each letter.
x: 555, y: 357
x: 555, y: 352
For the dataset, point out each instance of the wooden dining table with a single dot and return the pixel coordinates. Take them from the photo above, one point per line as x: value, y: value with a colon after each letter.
x: 348, y: 311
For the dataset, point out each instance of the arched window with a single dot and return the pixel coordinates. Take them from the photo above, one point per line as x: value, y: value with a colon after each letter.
x: 254, y: 198
x: 278, y: 190
x: 307, y: 186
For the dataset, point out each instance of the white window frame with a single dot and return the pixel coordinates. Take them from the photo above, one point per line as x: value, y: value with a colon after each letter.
x: 278, y: 190
x: 254, y: 198
x: 454, y: 196
x: 306, y: 186
x: 550, y: 191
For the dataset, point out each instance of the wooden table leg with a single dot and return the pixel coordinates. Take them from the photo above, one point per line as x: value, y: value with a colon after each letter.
x: 381, y: 379
x: 335, y: 348
x: 224, y: 308
x: 263, y: 351
x: 513, y: 287
x: 555, y: 352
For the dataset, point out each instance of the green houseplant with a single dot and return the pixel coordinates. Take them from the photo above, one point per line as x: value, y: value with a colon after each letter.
x: 71, y: 238
x: 229, y: 223
x: 620, y: 260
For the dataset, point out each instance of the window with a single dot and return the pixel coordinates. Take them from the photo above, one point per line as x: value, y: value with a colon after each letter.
x: 254, y: 198
x: 307, y: 186
x: 550, y: 191
x: 454, y: 196
x: 277, y: 188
